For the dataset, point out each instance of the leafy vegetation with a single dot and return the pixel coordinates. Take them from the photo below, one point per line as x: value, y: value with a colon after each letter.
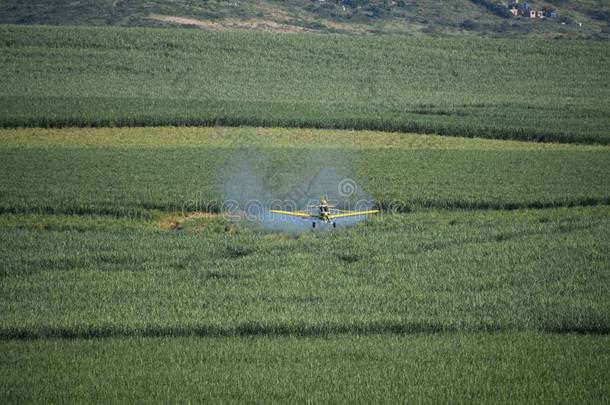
x: 456, y: 368
x: 497, y: 8
x: 115, y: 77
x: 110, y: 291
x: 129, y: 172
x: 110, y: 274
x: 425, y: 272
x: 121, y: 279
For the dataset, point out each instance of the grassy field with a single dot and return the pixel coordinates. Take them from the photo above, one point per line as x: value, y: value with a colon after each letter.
x: 540, y: 270
x: 138, y: 262
x: 113, y: 191
x: 537, y: 90
x: 135, y: 170
x: 484, y: 279
x: 456, y: 368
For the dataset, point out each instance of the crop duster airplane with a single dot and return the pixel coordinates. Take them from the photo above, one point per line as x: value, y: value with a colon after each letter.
x: 325, y: 213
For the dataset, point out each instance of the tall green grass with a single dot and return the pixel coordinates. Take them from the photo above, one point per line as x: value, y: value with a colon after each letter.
x: 431, y: 305
x: 130, y: 172
x: 538, y: 270
x: 538, y: 90
x: 456, y: 368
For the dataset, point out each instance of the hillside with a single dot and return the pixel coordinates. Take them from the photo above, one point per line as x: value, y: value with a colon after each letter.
x: 575, y: 19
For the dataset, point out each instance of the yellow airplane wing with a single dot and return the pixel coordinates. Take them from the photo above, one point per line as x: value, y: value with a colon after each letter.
x: 352, y: 214
x: 301, y: 214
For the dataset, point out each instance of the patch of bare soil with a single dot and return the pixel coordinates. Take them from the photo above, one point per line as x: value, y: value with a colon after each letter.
x: 228, y: 24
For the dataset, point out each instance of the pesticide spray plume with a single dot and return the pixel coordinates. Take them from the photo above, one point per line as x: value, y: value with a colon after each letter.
x: 256, y: 180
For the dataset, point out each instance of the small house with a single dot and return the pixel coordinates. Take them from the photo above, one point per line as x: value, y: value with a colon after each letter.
x: 532, y: 13
x: 540, y: 14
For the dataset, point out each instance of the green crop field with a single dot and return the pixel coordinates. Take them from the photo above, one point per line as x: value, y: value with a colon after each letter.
x: 534, y: 90
x: 485, y: 278
x: 403, y: 274
x: 139, y: 260
x: 174, y: 169
x: 456, y: 368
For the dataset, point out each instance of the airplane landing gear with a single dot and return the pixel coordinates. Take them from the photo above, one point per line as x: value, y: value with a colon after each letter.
x: 313, y: 224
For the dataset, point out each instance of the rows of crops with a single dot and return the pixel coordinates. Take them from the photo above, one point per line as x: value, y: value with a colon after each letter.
x: 456, y: 368
x: 536, y: 90
x: 131, y: 267
x: 108, y: 272
x: 114, y: 280
x: 421, y: 273
x: 129, y: 172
